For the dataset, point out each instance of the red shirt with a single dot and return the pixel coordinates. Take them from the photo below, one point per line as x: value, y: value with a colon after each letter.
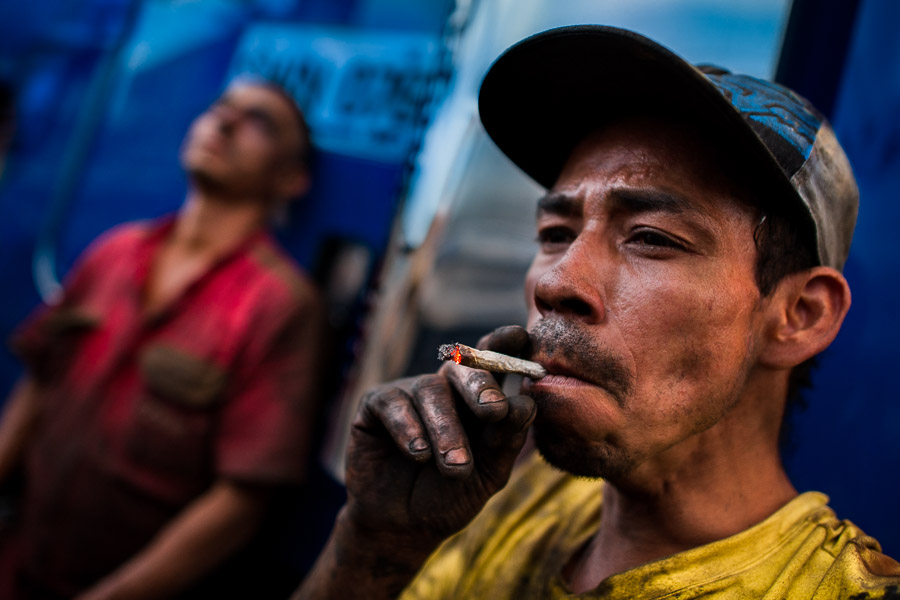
x: 143, y: 413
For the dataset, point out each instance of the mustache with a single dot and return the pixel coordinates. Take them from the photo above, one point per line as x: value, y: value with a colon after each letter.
x: 570, y: 343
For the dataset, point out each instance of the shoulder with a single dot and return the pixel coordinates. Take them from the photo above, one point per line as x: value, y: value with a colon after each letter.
x: 860, y: 569
x: 281, y: 302
x: 126, y: 235
x: 106, y: 255
x: 280, y: 278
x: 116, y: 242
x: 820, y: 556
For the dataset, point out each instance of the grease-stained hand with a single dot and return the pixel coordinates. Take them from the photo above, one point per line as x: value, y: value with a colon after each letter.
x: 426, y: 453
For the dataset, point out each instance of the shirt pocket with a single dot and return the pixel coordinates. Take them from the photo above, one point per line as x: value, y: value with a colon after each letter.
x: 48, y: 340
x: 171, y: 434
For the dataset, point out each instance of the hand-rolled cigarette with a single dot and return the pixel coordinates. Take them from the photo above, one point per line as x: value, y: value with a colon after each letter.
x: 490, y: 361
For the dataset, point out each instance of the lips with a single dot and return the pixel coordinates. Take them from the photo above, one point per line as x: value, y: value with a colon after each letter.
x: 560, y: 374
x: 579, y: 356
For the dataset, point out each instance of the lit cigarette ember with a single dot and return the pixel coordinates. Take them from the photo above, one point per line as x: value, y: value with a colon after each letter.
x: 490, y: 361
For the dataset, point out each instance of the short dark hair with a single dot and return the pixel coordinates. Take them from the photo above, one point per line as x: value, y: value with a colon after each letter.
x: 304, y: 154
x: 305, y: 151
x: 784, y: 247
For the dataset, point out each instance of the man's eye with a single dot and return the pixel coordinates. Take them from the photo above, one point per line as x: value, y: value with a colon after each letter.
x: 261, y: 121
x: 655, y: 239
x: 555, y: 236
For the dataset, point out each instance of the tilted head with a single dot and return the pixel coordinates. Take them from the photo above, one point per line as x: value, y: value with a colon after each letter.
x: 691, y: 240
x: 251, y: 144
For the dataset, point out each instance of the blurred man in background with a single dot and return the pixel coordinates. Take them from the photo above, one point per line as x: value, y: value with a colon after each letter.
x: 688, y: 270
x: 170, y: 392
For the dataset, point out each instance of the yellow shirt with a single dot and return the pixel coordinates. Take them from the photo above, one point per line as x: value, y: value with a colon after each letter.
x: 517, y: 546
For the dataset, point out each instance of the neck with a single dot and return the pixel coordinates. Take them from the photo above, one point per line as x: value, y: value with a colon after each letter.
x: 210, y: 225
x: 711, y: 486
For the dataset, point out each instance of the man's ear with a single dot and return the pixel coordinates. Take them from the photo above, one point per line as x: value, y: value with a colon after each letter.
x: 292, y: 183
x: 806, y: 313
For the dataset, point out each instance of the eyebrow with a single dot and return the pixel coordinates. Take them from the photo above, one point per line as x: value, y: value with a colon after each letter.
x: 643, y: 201
x: 256, y: 111
x: 563, y: 205
x: 633, y: 200
x: 264, y: 115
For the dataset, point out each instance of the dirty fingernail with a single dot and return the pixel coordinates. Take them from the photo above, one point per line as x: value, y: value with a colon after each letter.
x: 457, y: 456
x: 419, y: 444
x: 490, y: 396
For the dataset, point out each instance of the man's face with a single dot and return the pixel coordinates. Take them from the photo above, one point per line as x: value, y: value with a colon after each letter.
x: 244, y: 142
x: 643, y: 302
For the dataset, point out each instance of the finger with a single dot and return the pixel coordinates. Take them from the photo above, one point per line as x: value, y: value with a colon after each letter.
x: 479, y: 390
x: 394, y: 410
x: 509, y: 339
x: 502, y: 441
x: 436, y: 406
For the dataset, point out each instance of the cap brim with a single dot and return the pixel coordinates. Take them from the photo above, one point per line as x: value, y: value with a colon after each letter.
x: 546, y: 93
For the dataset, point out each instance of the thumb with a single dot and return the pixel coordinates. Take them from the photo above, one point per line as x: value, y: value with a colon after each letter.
x: 500, y: 443
x: 509, y: 339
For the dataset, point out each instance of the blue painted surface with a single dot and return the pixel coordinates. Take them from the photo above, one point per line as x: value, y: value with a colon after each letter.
x: 846, y: 442
x: 174, y: 63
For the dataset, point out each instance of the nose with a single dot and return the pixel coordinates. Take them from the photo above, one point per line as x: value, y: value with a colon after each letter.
x: 573, y: 285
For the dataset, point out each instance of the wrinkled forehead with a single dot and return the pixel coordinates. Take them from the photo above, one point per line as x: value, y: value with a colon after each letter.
x: 641, y: 166
x: 260, y: 93
x: 653, y: 150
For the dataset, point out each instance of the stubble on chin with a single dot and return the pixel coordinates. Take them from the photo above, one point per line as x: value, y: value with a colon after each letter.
x: 559, y: 442
x: 592, y: 461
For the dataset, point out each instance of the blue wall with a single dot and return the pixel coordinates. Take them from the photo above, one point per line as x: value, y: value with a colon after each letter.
x: 846, y: 442
x: 107, y: 88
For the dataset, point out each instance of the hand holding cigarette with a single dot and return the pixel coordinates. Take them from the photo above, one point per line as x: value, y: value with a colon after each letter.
x: 490, y: 361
